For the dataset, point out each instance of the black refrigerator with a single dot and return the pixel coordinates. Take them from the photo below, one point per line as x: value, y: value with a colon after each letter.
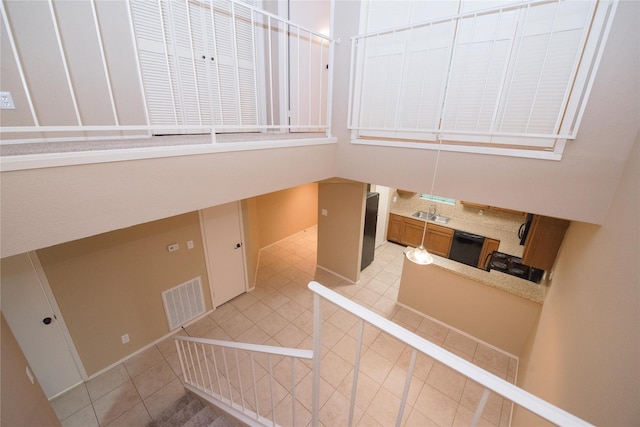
x: 370, y: 222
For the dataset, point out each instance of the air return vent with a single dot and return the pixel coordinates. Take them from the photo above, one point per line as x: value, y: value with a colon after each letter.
x: 183, y: 303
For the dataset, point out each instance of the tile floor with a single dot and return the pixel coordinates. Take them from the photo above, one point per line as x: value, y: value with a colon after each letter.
x: 279, y: 312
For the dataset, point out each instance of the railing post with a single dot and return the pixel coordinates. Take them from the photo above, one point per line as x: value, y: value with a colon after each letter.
x: 317, y: 354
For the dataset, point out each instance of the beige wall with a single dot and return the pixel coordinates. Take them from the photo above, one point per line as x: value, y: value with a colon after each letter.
x: 286, y: 212
x: 494, y: 316
x: 48, y: 206
x: 110, y: 285
x: 340, y: 231
x: 585, y: 354
x: 21, y: 403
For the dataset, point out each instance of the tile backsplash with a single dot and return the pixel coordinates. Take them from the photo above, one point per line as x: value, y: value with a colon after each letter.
x: 401, y: 201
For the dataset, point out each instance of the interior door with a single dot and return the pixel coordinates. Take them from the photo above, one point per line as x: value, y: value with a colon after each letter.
x: 36, y: 325
x: 224, y: 250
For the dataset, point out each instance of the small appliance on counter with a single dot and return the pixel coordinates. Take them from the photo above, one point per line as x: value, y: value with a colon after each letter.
x: 513, y: 265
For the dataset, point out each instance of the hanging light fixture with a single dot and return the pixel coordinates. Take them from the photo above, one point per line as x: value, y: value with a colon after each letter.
x: 420, y: 255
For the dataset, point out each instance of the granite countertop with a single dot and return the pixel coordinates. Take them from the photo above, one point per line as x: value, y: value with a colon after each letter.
x: 509, y: 243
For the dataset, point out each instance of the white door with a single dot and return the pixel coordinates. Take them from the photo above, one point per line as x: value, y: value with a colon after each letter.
x: 222, y: 235
x: 36, y: 325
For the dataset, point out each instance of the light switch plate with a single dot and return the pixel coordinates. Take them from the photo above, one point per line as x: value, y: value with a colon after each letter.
x: 6, y: 101
x: 324, y: 212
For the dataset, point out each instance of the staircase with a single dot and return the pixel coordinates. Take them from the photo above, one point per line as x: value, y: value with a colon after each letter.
x: 189, y: 411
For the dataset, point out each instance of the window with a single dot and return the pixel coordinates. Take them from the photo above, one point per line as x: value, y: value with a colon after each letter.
x: 439, y: 199
x: 513, y: 77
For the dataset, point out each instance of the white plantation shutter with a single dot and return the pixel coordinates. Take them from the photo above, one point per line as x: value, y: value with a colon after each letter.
x: 188, y: 62
x: 499, y: 77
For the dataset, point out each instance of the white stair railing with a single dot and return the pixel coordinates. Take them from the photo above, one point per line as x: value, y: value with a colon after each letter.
x: 248, y: 380
x: 240, y: 378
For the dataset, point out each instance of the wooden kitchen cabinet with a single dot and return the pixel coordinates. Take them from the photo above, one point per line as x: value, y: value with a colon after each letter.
x: 394, y: 229
x: 409, y: 231
x: 412, y: 231
x: 543, y: 241
x: 438, y: 240
x: 493, y: 208
x: 489, y: 246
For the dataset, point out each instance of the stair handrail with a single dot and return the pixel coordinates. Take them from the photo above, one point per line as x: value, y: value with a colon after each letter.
x: 488, y: 380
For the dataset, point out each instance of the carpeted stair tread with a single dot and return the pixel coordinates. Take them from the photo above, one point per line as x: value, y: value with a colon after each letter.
x: 181, y: 417
x: 204, y: 418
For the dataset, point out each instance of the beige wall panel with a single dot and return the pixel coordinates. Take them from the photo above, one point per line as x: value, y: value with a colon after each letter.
x: 111, y: 284
x: 494, y: 316
x: 584, y: 355
x: 48, y: 206
x: 22, y: 403
x: 286, y: 212
x: 340, y: 231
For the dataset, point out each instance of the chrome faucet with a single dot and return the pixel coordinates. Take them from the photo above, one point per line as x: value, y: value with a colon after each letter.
x: 432, y: 211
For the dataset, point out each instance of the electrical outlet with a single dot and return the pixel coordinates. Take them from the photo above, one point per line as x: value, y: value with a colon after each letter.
x: 125, y: 338
x: 325, y: 212
x: 6, y: 101
x: 173, y: 247
x: 189, y: 244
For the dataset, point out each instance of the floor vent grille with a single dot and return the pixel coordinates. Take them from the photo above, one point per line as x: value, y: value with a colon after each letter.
x: 183, y: 303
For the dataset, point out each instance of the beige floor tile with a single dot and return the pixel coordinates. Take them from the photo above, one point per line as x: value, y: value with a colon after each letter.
x: 163, y: 398
x: 365, y: 391
x: 471, y: 397
x: 422, y: 367
x: 378, y: 285
x: 366, y: 297
x: 369, y: 334
x: 395, y: 383
x: 388, y: 346
x: 217, y: 333
x: 408, y: 318
x: 275, y: 300
x: 460, y: 344
x: 335, y: 412
x: 253, y: 335
x: 85, y: 417
x: 418, y: 419
x: 375, y: 366
x: 200, y: 327
x: 257, y: 312
x: 436, y: 406
x: 447, y: 381
x: 104, y: 383
x: 331, y: 334
x: 435, y: 332
x: 236, y: 325
x: 136, y: 416
x: 491, y: 360
x: 342, y: 320
x: 290, y: 310
x: 71, y: 402
x: 464, y: 416
x: 285, y: 414
x: 143, y: 361
x: 282, y: 372
x: 168, y: 346
x: 367, y: 420
x: 273, y: 323
x: 304, y: 391
x: 153, y: 379
x: 223, y: 313
x: 386, y: 307
x: 290, y: 336
x: 243, y: 302
x: 334, y: 369
x: 305, y: 322
x: 346, y: 348
x: 116, y: 402
x: 384, y: 407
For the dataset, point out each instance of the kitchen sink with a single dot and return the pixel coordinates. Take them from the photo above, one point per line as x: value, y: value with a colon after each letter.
x: 432, y: 217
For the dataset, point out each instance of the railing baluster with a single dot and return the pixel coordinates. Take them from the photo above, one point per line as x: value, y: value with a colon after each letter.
x: 234, y: 44
x: 317, y: 354
x: 320, y: 80
x: 270, y: 56
x: 215, y: 366
x: 310, y: 75
x: 293, y: 391
x: 273, y: 404
x: 226, y: 374
x: 407, y: 384
x: 193, y: 365
x: 180, y: 344
x: 239, y: 378
x: 255, y: 386
x: 206, y: 364
x: 356, y: 371
x: 481, y: 404
x: 195, y: 347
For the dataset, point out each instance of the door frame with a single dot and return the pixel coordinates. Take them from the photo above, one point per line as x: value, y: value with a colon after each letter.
x: 44, y: 284
x: 206, y: 257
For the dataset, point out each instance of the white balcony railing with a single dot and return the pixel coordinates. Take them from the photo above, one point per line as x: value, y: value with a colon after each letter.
x: 203, y: 66
x: 224, y: 373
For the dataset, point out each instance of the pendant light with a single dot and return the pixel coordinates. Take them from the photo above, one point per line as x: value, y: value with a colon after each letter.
x: 420, y: 255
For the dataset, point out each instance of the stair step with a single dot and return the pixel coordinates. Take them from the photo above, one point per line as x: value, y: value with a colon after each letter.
x: 189, y: 411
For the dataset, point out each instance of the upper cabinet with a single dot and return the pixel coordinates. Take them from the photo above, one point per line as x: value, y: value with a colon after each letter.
x: 543, y: 241
x: 492, y: 208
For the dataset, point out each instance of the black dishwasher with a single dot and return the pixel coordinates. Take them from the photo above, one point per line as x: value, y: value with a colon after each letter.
x: 466, y: 248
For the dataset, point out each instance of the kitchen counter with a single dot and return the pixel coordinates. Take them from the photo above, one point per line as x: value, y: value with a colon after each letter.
x: 509, y: 243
